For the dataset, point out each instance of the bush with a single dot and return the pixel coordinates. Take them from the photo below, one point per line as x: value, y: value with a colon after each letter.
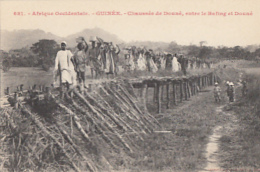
x: 6, y: 64
x: 46, y: 64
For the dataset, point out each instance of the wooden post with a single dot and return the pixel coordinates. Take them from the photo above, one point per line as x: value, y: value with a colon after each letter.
x: 167, y: 95
x: 201, y: 82
x: 159, y: 105
x: 174, y: 93
x: 211, y: 79
x: 146, y: 94
x: 15, y: 100
x: 155, y: 93
x: 162, y: 87
x: 189, y: 89
x: 181, y: 91
x: 48, y: 93
x: 144, y: 89
x: 185, y: 90
x: 194, y: 87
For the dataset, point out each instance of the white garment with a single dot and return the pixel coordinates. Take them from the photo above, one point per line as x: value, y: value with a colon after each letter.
x: 63, y: 59
x: 153, y: 66
x: 163, y: 63
x: 131, y: 62
x: 141, y: 63
x: 175, y: 65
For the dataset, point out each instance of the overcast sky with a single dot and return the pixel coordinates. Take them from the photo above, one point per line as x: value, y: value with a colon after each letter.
x: 229, y: 30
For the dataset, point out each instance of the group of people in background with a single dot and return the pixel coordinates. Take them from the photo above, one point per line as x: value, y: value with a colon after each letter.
x: 230, y: 92
x: 70, y: 68
x: 146, y: 60
x: 103, y: 59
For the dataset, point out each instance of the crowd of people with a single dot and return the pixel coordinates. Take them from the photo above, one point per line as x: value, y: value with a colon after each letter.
x: 103, y: 59
x: 70, y: 69
x: 147, y: 60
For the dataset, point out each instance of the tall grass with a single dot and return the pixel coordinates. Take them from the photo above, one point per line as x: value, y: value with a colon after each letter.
x: 241, y: 147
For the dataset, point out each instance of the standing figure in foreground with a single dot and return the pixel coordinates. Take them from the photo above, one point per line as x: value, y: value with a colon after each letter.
x: 65, y: 69
x: 92, y: 57
x: 217, y: 91
x: 115, y: 54
x: 80, y: 59
x: 110, y: 63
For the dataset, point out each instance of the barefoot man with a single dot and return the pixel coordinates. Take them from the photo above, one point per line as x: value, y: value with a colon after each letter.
x: 65, y: 69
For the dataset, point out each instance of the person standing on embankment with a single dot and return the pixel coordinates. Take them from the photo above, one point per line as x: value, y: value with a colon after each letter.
x: 65, y: 69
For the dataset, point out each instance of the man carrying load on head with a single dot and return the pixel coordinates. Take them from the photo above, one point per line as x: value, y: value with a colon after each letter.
x: 80, y: 58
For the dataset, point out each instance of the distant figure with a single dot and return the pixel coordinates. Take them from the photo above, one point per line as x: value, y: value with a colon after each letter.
x: 244, y: 88
x: 227, y: 90
x: 175, y: 64
x: 141, y: 62
x: 130, y: 60
x: 65, y: 68
x: 150, y: 63
x: 162, y: 61
x: 217, y: 91
x: 231, y: 92
x: 168, y: 62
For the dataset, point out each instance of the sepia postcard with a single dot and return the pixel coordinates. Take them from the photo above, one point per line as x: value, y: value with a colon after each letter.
x: 129, y: 85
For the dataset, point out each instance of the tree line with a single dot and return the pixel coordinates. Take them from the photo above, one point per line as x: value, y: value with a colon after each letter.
x: 43, y: 53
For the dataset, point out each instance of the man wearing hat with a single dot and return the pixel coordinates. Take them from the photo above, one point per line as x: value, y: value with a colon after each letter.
x: 217, y: 91
x: 65, y: 68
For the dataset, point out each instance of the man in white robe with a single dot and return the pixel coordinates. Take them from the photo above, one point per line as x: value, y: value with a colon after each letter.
x: 65, y: 68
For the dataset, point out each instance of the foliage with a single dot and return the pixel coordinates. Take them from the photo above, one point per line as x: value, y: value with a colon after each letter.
x: 6, y: 64
x: 46, y: 50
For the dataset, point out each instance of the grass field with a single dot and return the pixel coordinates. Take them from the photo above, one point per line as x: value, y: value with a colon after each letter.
x: 241, y: 147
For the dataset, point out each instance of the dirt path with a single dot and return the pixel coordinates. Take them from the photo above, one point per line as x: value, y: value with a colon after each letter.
x: 212, y: 150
